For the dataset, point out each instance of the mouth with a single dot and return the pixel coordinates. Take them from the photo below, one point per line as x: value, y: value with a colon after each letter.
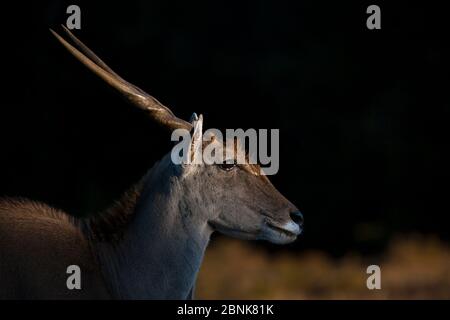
x: 286, y: 232
x: 270, y: 231
x: 282, y: 234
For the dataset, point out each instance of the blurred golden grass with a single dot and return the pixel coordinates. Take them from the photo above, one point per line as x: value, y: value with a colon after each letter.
x: 413, y: 267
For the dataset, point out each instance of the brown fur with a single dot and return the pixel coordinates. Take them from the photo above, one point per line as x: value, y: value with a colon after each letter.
x: 110, y: 224
x: 37, y: 244
x: 34, y: 208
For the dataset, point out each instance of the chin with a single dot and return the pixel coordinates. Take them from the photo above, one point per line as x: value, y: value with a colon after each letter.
x: 237, y: 234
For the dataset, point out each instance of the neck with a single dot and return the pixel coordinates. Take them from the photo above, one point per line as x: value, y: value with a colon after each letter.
x: 161, y: 249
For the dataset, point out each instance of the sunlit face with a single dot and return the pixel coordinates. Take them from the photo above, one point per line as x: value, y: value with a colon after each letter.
x: 242, y: 203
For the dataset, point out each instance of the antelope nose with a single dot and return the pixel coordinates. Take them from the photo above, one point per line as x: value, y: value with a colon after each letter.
x: 297, y: 217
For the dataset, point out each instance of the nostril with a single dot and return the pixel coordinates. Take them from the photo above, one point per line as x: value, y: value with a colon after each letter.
x: 297, y: 216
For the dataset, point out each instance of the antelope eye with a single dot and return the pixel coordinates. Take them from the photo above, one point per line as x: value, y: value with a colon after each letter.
x: 227, y: 166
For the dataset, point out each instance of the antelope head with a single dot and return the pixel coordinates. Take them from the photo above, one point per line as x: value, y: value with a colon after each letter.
x: 234, y: 199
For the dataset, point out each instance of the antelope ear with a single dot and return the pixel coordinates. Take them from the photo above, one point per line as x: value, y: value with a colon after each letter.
x: 195, y: 148
x: 190, y: 145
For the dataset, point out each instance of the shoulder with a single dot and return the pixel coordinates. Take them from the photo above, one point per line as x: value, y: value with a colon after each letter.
x: 25, y: 209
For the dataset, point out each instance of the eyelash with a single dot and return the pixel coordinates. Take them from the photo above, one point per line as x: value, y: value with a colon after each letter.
x: 227, y: 166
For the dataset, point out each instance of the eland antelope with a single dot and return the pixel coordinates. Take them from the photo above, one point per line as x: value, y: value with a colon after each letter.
x: 150, y: 244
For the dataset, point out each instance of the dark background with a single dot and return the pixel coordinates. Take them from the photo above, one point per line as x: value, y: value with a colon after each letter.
x: 363, y: 114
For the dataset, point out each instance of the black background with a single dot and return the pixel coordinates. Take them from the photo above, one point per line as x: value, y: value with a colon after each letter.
x: 363, y: 114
